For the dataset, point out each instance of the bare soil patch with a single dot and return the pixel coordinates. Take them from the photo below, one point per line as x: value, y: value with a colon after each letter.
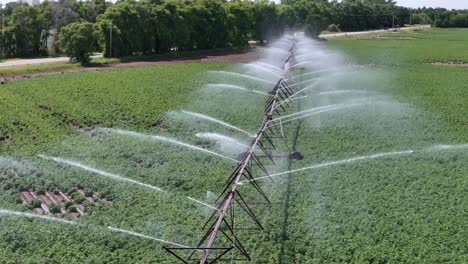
x: 226, y: 58
x: 5, y: 139
x: 68, y: 206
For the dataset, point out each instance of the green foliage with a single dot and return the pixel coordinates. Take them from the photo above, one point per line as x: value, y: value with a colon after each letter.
x: 163, y: 26
x: 240, y: 20
x: 72, y: 208
x: 420, y: 18
x: 286, y: 16
x: 403, y: 209
x: 55, y: 209
x: 78, y: 41
x: 333, y: 28
x: 314, y: 17
x: 266, y: 27
x: 36, y: 203
x: 62, y: 107
x: 28, y: 29
x: 68, y: 204
x: 88, y: 193
x: 208, y: 24
x: 77, y: 197
x: 452, y: 19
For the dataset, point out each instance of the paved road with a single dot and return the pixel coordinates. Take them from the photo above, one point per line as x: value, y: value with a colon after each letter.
x: 345, y: 34
x: 37, y: 61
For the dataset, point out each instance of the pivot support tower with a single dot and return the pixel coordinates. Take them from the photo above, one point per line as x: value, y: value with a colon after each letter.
x: 223, y: 221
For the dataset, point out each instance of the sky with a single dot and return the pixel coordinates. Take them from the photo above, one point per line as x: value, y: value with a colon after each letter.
x: 449, y: 4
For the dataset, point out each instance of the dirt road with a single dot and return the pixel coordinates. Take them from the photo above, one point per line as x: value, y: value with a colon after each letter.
x: 226, y: 58
x: 346, y: 34
x: 22, y: 62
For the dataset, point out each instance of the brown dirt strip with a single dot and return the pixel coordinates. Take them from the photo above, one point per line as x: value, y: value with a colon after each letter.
x: 228, y: 58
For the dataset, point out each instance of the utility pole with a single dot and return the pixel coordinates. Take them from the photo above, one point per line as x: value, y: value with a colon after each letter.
x: 3, y: 30
x: 110, y: 40
x: 410, y: 16
x: 1, y: 8
x: 393, y: 21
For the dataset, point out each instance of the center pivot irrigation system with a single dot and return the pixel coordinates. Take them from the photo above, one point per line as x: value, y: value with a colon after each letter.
x: 224, y: 223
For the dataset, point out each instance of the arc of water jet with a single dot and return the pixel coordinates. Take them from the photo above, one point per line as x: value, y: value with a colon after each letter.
x: 212, y: 119
x: 447, y: 147
x: 342, y: 91
x: 291, y: 98
x: 270, y: 65
x: 279, y: 49
x: 236, y: 87
x: 262, y: 68
x: 332, y: 163
x: 217, y: 136
x: 164, y: 139
x: 313, y: 113
x: 303, y: 89
x: 302, y: 63
x: 303, y: 55
x: 306, y: 81
x: 244, y: 76
x: 29, y: 215
x: 100, y: 172
x: 315, y: 72
x: 309, y: 61
x: 200, y: 202
x: 306, y: 111
x: 309, y: 57
x: 145, y: 236
x: 320, y: 111
x: 297, y: 98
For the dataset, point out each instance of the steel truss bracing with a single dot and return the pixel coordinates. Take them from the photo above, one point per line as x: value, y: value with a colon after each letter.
x: 223, y: 222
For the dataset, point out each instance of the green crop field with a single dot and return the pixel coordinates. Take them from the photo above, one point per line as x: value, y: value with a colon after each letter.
x: 384, y: 209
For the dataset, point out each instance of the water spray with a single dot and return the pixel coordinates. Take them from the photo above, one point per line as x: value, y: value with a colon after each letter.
x: 219, y: 222
x: 99, y: 172
x: 333, y: 163
x: 145, y: 236
x: 234, y: 87
x: 166, y: 140
x: 35, y: 216
x: 212, y: 119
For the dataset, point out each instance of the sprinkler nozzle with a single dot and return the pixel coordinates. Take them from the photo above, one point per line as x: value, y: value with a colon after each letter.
x: 295, y: 155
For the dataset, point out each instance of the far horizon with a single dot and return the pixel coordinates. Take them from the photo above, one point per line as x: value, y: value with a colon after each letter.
x: 448, y: 4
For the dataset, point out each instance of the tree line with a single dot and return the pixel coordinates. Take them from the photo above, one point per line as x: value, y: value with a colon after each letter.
x: 130, y: 27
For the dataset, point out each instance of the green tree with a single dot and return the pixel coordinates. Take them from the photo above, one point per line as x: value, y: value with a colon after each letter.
x: 209, y: 24
x: 77, y: 40
x: 286, y: 16
x: 266, y: 22
x: 29, y: 28
x: 314, y: 17
x: 129, y: 20
x: 62, y: 13
x: 89, y: 10
x: 241, y: 22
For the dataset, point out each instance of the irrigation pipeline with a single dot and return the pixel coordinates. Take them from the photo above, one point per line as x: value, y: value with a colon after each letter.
x: 222, y: 221
x: 287, y: 200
